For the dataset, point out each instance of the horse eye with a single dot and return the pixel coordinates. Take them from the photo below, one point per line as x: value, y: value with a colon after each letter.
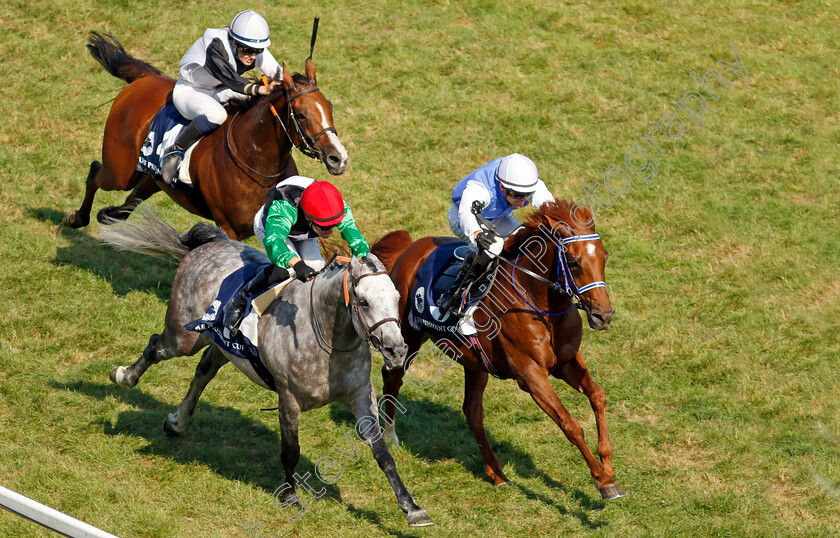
x: 574, y: 263
x: 363, y: 303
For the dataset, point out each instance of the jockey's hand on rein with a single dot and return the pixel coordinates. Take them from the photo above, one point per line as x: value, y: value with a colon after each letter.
x: 303, y: 271
x: 484, y: 240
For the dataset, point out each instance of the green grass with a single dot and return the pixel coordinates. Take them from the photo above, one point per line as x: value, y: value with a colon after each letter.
x: 720, y: 365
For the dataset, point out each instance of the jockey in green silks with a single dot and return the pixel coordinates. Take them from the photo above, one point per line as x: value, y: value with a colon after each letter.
x: 298, y: 212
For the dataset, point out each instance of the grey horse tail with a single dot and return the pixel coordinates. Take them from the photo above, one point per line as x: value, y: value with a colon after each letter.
x: 147, y: 233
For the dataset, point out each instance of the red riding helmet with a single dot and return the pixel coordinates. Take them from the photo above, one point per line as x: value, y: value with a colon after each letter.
x: 322, y: 204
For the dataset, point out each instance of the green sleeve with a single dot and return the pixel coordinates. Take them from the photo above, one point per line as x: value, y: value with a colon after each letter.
x: 281, y: 217
x: 352, y: 235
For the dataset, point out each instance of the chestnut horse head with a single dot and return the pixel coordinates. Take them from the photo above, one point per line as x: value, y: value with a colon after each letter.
x: 233, y: 168
x: 560, y: 240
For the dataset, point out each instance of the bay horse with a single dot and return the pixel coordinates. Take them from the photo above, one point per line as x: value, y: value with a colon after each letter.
x: 313, y: 340
x: 528, y: 326
x: 233, y: 168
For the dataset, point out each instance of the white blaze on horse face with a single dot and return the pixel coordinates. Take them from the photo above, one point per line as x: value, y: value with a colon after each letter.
x: 590, y: 249
x: 333, y: 139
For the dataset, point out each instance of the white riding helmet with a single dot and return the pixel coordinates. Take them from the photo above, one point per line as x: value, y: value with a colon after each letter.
x: 518, y: 172
x: 250, y: 29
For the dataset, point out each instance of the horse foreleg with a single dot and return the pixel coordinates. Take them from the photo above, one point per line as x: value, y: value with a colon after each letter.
x: 81, y: 217
x: 534, y: 380
x: 475, y: 383
x: 129, y: 376
x: 144, y: 187
x: 367, y: 425
x: 289, y: 416
x: 577, y: 375
x: 211, y: 360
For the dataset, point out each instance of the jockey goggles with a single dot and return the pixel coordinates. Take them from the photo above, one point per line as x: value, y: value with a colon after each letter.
x: 247, y: 51
x: 515, y: 194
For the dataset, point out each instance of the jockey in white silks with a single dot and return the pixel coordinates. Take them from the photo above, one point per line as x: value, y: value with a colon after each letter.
x: 210, y: 75
x: 500, y: 186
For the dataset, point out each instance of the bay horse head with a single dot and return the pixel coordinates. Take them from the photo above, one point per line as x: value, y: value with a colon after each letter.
x: 306, y: 119
x: 560, y: 240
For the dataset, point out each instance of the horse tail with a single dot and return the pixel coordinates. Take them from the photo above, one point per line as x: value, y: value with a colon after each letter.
x: 389, y: 248
x: 148, y: 234
x: 106, y: 50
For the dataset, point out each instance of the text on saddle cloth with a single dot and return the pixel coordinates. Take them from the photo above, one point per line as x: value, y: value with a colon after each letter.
x: 244, y: 344
x: 163, y: 131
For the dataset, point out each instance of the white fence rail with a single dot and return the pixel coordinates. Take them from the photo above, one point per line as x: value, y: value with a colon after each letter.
x: 48, y: 517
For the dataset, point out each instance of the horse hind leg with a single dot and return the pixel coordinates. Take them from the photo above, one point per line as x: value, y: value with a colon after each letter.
x: 367, y: 424
x: 208, y: 366
x: 475, y: 383
x: 144, y: 187
x: 577, y: 375
x: 161, y: 347
x: 81, y: 217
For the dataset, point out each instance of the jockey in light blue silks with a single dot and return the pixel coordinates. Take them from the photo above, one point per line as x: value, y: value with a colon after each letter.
x: 502, y: 185
x: 210, y: 75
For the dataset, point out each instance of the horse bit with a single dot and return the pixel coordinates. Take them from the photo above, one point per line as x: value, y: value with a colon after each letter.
x: 349, y: 297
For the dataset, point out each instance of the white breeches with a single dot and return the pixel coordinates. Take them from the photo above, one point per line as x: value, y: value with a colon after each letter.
x: 193, y: 102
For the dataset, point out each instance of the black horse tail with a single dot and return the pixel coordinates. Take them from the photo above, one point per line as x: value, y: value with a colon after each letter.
x: 106, y: 50
x: 147, y: 233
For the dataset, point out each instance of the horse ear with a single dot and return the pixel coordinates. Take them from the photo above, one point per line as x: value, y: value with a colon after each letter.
x: 310, y: 71
x: 287, y: 78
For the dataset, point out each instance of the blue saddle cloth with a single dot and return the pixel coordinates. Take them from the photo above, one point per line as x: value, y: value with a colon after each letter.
x: 211, y: 324
x: 167, y: 119
x: 434, y: 278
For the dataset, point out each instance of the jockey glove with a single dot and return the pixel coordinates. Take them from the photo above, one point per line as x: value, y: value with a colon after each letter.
x: 303, y: 271
x: 484, y: 240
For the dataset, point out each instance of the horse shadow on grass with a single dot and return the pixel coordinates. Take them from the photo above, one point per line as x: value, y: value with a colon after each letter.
x: 126, y: 271
x: 435, y: 433
x: 231, y: 445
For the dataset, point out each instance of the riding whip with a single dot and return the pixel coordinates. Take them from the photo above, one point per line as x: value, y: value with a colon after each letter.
x: 314, y: 36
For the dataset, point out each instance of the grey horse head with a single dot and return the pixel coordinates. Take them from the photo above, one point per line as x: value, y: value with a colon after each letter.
x: 377, y: 316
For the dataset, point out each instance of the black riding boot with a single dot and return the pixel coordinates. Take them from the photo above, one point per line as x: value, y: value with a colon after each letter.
x: 174, y: 154
x: 234, y: 310
x: 473, y: 266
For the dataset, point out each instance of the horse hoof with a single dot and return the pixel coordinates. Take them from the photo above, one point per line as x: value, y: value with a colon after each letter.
x: 419, y: 518
x: 501, y: 485
x: 72, y: 220
x: 612, y: 491
x: 169, y: 428
x: 117, y: 375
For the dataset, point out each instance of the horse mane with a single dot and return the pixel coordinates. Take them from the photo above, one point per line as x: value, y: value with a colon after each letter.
x: 556, y: 211
x: 389, y: 247
x: 246, y: 104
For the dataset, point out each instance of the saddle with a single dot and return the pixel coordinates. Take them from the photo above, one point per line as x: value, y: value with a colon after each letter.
x: 445, y: 288
x: 163, y: 130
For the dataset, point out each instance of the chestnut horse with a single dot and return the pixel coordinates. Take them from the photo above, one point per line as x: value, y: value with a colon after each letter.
x: 233, y: 168
x: 528, y: 326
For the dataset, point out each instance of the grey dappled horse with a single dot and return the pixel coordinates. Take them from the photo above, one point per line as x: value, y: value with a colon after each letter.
x: 309, y: 370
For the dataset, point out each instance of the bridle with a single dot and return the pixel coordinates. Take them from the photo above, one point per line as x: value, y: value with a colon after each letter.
x: 351, y: 302
x: 307, y: 146
x: 569, y: 286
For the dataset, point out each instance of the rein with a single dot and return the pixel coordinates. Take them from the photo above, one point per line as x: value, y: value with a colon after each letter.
x: 569, y: 288
x: 349, y: 288
x: 308, y: 143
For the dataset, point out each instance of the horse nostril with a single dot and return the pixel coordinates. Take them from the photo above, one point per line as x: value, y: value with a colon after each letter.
x: 388, y: 351
x: 334, y: 160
